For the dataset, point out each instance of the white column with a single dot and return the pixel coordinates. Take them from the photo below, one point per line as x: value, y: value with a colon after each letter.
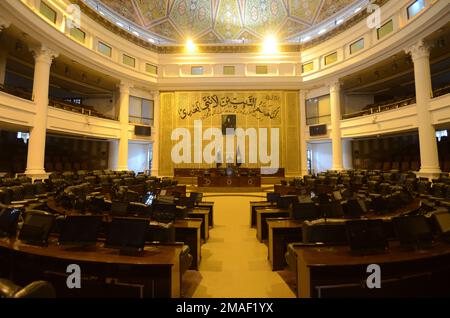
x: 3, y: 53
x: 303, y: 136
x: 124, y: 104
x: 429, y: 157
x: 335, y: 105
x: 155, y: 133
x: 43, y: 57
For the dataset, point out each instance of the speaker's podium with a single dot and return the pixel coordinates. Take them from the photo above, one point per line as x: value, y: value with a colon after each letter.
x: 230, y: 177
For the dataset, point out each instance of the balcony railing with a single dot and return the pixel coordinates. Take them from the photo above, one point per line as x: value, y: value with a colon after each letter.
x: 316, y: 120
x: 16, y: 91
x: 80, y: 109
x: 146, y: 121
x: 378, y: 108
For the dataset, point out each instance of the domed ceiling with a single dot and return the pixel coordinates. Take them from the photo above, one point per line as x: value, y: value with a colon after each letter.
x: 219, y: 21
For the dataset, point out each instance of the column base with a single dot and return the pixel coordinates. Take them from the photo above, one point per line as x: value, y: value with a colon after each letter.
x: 337, y: 169
x: 122, y: 169
x: 430, y: 173
x: 37, y: 174
x: 154, y: 173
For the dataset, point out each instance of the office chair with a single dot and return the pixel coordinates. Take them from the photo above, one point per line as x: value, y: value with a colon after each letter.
x: 38, y: 289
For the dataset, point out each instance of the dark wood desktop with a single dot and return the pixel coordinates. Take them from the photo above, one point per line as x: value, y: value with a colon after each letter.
x: 157, y: 269
x: 332, y: 271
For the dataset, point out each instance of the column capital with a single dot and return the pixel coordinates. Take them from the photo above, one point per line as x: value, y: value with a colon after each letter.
x: 334, y: 85
x: 43, y: 54
x: 4, y: 23
x: 124, y: 87
x: 418, y: 50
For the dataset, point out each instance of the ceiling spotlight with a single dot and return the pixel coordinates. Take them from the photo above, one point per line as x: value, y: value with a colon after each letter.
x: 340, y: 21
x: 270, y: 45
x: 306, y: 38
x: 322, y: 31
x: 190, y: 46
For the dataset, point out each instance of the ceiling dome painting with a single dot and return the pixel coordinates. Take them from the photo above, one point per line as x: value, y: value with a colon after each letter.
x: 218, y: 21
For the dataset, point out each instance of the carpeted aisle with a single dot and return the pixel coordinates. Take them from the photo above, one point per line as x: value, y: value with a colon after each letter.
x: 234, y: 263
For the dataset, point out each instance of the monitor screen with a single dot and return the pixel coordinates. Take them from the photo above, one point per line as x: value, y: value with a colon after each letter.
x: 80, y: 230
x: 413, y: 231
x: 36, y: 228
x: 305, y: 211
x: 126, y: 233
x: 285, y: 201
x: 148, y: 199
x: 443, y: 222
x: 119, y: 208
x: 272, y: 197
x: 198, y: 196
x: 164, y: 212
x: 366, y: 235
x: 8, y: 221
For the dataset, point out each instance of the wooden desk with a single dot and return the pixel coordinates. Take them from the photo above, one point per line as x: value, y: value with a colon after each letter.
x: 188, y: 231
x: 281, y: 233
x: 331, y: 271
x: 203, y: 214
x: 157, y: 269
x: 261, y: 225
x: 210, y: 207
x: 258, y: 204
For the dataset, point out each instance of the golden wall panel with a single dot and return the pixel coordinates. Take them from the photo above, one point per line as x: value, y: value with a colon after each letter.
x: 253, y: 109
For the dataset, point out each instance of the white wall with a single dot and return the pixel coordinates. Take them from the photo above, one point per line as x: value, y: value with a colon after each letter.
x: 355, y: 103
x: 138, y: 157
x: 106, y: 106
x: 322, y: 156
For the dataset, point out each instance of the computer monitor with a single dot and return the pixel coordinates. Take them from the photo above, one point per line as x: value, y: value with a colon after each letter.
x: 305, y: 211
x: 36, y: 228
x: 442, y: 221
x: 119, y: 208
x: 148, y: 198
x: 80, y: 230
x: 198, y: 196
x: 366, y: 236
x: 355, y: 208
x: 414, y: 232
x: 167, y: 199
x: 164, y: 212
x: 187, y: 202
x: 285, y: 201
x: 127, y: 233
x: 272, y: 197
x: 9, y: 218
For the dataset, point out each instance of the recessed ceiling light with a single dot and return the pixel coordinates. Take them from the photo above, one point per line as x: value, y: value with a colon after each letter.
x: 270, y: 45
x: 190, y: 46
